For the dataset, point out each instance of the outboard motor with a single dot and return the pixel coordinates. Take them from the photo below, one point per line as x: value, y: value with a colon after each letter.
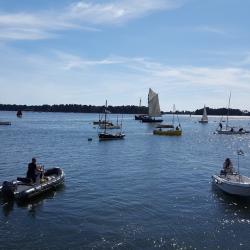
x: 8, y: 189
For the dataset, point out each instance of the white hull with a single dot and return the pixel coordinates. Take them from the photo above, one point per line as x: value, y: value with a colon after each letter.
x: 233, y: 184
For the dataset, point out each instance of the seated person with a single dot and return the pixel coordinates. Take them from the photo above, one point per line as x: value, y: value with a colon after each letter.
x: 241, y: 129
x: 177, y: 128
x: 33, y: 170
x: 228, y: 167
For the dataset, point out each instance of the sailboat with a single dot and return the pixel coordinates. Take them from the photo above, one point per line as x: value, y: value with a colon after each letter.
x: 139, y: 117
x: 169, y: 130
x: 110, y: 125
x: 229, y: 130
x: 153, y: 108
x: 104, y: 136
x: 204, y: 118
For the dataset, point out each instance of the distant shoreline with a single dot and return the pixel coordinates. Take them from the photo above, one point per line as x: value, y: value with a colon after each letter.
x: 128, y: 109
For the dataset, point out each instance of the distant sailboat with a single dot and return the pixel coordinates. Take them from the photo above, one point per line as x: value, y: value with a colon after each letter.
x: 204, y: 118
x: 104, y: 136
x: 153, y: 108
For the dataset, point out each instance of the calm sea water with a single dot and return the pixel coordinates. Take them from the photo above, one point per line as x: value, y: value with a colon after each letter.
x: 143, y: 192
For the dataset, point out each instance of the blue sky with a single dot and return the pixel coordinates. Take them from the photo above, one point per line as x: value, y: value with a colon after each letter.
x: 191, y: 52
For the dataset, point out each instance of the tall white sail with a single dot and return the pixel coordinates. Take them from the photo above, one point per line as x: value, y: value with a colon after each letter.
x: 153, y: 104
x: 204, y: 116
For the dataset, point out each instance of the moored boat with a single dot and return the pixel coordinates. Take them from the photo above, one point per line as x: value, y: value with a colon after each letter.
x: 170, y: 132
x: 23, y: 189
x: 204, y: 118
x: 5, y: 123
x: 167, y: 129
x: 104, y: 136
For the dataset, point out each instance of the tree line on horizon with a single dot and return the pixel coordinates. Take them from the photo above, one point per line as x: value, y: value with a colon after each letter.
x: 128, y: 109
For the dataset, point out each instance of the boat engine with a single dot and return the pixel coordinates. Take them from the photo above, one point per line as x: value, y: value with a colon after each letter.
x: 8, y: 189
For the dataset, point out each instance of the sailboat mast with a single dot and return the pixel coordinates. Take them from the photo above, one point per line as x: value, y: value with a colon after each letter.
x: 140, y: 103
x: 105, y: 117
x: 228, y: 109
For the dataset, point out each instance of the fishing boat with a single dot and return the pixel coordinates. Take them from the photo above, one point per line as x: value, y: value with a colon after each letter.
x: 19, y: 114
x: 232, y: 183
x: 169, y: 130
x: 154, y: 110
x: 5, y: 123
x: 104, y: 136
x: 204, y: 118
x: 230, y: 130
x: 24, y: 189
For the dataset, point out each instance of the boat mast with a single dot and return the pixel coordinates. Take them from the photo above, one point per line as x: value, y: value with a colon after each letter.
x: 173, y: 114
x: 105, y: 117
x: 228, y: 109
x: 140, y: 103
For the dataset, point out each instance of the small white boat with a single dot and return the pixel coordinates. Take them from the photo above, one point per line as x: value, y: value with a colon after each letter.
x: 234, y: 184
x: 204, y: 118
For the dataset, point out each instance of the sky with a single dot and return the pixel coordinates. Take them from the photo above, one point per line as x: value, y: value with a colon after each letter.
x: 191, y: 52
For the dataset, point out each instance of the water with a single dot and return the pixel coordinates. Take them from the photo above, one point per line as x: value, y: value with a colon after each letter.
x: 143, y: 192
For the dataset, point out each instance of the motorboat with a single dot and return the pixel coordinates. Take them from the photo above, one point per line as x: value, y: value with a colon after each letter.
x: 24, y: 189
x: 234, y: 184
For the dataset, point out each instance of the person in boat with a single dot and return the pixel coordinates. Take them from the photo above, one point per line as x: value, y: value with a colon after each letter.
x: 177, y: 128
x: 232, y: 130
x: 241, y: 129
x: 34, y: 171
x: 220, y: 125
x: 228, y: 167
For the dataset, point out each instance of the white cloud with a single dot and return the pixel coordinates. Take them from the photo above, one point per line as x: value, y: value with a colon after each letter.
x: 66, y: 78
x: 118, y: 11
x: 209, y: 29
x: 45, y: 24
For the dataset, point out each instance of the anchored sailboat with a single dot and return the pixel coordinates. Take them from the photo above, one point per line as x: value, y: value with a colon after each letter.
x: 204, y: 118
x: 103, y: 136
x: 153, y: 108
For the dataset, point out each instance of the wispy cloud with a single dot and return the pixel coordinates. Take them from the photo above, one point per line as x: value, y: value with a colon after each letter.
x: 65, y: 78
x: 118, y: 11
x: 209, y: 29
x: 79, y: 15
